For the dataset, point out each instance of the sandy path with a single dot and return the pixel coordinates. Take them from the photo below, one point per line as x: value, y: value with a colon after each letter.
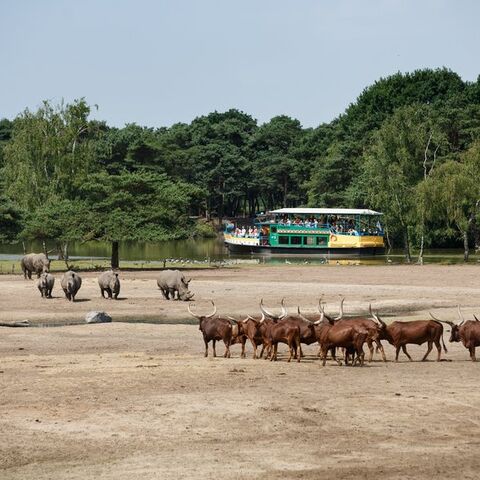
x: 123, y: 401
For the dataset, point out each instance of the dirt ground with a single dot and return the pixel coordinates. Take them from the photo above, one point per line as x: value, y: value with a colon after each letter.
x: 127, y: 401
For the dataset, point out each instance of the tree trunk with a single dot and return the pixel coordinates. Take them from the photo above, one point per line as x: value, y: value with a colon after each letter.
x: 420, y: 253
x: 406, y: 243
x: 59, y: 251
x: 465, y: 246
x: 389, y: 243
x: 115, y: 261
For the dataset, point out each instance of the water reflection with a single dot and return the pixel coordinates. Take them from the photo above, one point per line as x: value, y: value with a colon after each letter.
x: 201, y: 250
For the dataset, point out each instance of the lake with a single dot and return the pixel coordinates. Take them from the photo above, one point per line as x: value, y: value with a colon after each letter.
x: 212, y: 249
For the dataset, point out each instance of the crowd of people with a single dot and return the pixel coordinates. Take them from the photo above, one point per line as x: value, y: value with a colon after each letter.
x: 331, y: 223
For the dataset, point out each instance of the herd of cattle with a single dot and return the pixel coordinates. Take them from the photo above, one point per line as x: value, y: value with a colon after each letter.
x: 331, y: 333
x: 268, y: 330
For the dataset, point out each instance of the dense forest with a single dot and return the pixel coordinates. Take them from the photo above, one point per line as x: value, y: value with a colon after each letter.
x: 409, y: 146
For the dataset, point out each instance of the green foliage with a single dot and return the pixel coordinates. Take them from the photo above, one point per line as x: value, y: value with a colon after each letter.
x: 204, y: 230
x: 136, y: 206
x: 11, y: 220
x: 407, y: 141
x: 49, y: 150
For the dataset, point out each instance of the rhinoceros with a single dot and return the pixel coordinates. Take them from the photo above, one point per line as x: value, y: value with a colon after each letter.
x: 71, y: 283
x: 110, y: 283
x: 45, y: 284
x: 34, y: 262
x: 173, y: 281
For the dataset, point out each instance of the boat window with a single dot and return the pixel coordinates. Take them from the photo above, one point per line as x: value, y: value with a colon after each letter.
x: 321, y: 240
x: 283, y: 240
x: 296, y: 240
x: 309, y: 240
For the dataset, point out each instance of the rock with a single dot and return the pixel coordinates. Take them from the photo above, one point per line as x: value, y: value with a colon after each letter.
x: 97, y: 317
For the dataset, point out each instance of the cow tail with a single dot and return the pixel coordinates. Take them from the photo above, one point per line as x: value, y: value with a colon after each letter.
x: 297, y: 337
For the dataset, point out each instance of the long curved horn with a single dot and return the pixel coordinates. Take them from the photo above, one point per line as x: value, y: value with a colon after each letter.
x: 373, y: 314
x: 448, y: 322
x: 322, y: 316
x: 302, y: 317
x: 284, y: 309
x: 320, y: 304
x: 460, y: 314
x: 214, y: 310
x: 266, y: 312
x: 475, y: 317
x: 377, y: 318
x: 191, y: 313
x: 232, y: 319
x: 341, y: 310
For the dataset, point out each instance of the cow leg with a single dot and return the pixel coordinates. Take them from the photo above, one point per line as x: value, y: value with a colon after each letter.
x: 214, y: 351
x: 301, y: 351
x: 324, y: 356
x: 206, y: 346
x: 404, y: 348
x: 244, y: 340
x: 370, y: 347
x: 254, y: 345
x: 472, y: 354
x: 273, y: 356
x: 429, y: 349
x: 227, y: 349
x: 333, y: 353
x: 397, y: 353
x: 380, y: 347
x: 439, y: 350
x: 292, y: 351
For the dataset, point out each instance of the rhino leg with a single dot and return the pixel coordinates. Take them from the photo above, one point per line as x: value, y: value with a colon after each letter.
x: 109, y: 293
x: 67, y: 294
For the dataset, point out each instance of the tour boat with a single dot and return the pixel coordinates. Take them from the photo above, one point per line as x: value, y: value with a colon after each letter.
x: 309, y: 231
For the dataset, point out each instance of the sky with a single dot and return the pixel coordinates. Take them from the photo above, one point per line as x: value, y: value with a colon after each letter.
x: 159, y: 62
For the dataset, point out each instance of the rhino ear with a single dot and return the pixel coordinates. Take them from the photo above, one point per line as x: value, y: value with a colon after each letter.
x: 116, y: 274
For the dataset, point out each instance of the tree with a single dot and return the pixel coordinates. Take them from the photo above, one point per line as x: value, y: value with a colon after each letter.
x: 62, y: 221
x: 404, y: 152
x: 11, y: 220
x: 455, y: 196
x: 136, y: 206
x: 49, y: 151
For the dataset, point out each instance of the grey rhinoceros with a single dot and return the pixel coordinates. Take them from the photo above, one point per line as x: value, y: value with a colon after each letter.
x: 71, y: 283
x: 34, y: 262
x: 110, y: 283
x: 45, y: 284
x: 173, y: 281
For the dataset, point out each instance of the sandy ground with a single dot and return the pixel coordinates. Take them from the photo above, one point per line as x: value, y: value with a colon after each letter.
x: 127, y: 401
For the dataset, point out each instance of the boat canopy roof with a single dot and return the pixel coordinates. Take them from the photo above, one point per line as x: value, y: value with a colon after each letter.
x: 324, y: 211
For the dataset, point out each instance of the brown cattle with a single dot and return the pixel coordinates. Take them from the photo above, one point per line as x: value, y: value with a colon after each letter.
x: 400, y: 334
x: 214, y: 329
x: 332, y: 335
x: 238, y: 337
x: 250, y: 327
x: 467, y: 332
x: 279, y: 329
